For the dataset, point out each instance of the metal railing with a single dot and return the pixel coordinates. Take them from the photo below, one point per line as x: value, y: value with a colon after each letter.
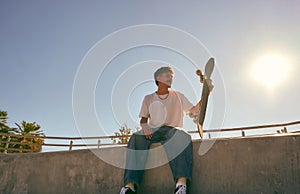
x: 243, y: 129
x: 5, y: 144
x: 9, y: 141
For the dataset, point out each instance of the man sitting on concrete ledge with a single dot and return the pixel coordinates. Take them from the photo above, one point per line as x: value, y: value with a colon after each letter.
x: 161, y: 117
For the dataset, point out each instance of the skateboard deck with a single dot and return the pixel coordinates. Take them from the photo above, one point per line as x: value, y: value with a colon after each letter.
x: 204, y: 78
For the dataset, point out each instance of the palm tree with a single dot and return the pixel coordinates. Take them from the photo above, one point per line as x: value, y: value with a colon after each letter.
x: 25, y: 128
x: 30, y: 129
x: 3, y: 128
x: 3, y: 122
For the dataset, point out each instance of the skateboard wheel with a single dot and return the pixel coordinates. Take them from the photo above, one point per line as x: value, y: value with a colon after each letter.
x: 198, y: 72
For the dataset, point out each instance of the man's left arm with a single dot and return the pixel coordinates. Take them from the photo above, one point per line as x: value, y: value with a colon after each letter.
x: 195, y: 109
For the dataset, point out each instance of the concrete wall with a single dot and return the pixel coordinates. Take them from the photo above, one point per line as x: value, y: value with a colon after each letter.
x: 240, y: 165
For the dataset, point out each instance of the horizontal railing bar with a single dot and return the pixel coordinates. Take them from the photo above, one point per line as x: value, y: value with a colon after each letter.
x: 19, y: 149
x: 24, y: 136
x: 249, y: 128
x: 82, y: 138
x: 82, y: 145
x: 19, y: 143
x: 65, y: 138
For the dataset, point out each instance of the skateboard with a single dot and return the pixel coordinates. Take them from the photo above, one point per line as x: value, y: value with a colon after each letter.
x: 204, y: 78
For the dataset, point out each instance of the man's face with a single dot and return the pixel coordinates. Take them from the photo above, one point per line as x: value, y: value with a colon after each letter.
x: 166, y: 78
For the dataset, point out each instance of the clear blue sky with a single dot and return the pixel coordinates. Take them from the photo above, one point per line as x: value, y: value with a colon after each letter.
x: 42, y: 44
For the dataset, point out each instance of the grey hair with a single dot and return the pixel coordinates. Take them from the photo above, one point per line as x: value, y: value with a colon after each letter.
x: 167, y: 69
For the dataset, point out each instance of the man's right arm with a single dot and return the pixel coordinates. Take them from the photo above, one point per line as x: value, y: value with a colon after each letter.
x: 145, y: 127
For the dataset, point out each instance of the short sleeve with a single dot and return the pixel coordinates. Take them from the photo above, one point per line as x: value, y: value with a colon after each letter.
x: 144, y: 112
x: 186, y: 104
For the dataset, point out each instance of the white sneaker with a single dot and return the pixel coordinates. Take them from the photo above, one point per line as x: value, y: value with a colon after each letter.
x: 126, y: 190
x: 181, y: 189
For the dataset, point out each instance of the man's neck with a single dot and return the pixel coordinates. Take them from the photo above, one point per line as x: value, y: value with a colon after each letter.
x: 162, y: 90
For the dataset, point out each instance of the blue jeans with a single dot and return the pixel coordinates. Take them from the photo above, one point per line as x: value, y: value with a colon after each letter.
x: 178, y: 147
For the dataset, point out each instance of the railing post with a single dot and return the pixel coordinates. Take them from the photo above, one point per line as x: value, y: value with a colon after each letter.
x: 7, y: 144
x: 284, y: 130
x: 243, y: 133
x: 99, y: 143
x: 71, y: 145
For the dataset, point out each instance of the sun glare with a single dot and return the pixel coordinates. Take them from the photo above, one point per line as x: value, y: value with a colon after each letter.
x: 270, y: 70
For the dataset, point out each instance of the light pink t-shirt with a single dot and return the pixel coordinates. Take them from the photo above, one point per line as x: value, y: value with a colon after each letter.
x: 165, y: 112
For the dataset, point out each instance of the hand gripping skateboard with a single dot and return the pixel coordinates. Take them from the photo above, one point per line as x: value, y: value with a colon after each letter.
x: 209, y: 67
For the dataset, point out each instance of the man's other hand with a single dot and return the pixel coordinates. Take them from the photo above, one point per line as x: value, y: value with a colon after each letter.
x: 146, y: 130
